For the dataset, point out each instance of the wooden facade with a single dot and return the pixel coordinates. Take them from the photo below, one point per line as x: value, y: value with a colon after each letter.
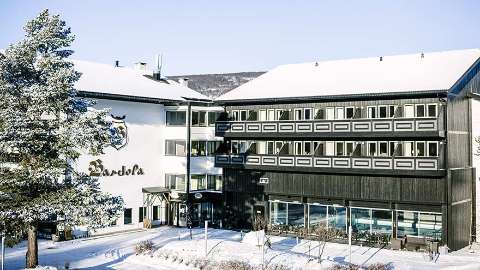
x: 449, y: 189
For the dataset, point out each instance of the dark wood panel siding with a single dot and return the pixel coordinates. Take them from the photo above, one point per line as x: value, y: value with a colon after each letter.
x: 349, y: 187
x: 459, y: 228
x: 461, y: 182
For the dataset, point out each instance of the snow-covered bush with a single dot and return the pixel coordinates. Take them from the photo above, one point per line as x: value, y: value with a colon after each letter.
x: 278, y: 267
x: 233, y: 265
x: 350, y: 266
x: 378, y: 266
x: 144, y: 247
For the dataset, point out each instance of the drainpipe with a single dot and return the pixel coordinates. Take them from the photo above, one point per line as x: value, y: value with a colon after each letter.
x: 189, y: 131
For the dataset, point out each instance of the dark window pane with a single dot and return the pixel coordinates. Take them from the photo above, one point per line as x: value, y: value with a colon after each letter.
x: 420, y: 110
x: 202, y: 120
x: 382, y: 112
x: 433, y: 149
x: 349, y: 113
x: 296, y: 214
x: 142, y: 213
x: 127, y: 216
x: 155, y: 212
x: 432, y: 110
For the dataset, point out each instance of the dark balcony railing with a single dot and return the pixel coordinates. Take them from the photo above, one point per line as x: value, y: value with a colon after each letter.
x: 324, y: 127
x: 333, y: 162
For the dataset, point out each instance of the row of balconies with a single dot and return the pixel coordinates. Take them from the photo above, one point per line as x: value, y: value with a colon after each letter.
x: 394, y: 165
x: 401, y: 127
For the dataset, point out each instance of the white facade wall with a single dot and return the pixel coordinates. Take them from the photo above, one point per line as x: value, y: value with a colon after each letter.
x: 147, y: 132
x: 476, y: 158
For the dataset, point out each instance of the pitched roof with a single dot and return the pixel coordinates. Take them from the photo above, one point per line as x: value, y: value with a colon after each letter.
x: 122, y: 81
x: 401, y: 73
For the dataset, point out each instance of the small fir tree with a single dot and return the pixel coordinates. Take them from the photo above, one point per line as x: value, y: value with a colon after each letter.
x: 44, y: 128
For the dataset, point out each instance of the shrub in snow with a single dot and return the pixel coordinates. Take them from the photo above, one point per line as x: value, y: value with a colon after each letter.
x: 233, y: 265
x: 350, y: 266
x: 378, y: 266
x: 278, y: 267
x: 144, y: 247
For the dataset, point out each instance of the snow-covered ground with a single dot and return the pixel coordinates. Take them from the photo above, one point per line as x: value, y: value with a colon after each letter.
x: 116, y: 252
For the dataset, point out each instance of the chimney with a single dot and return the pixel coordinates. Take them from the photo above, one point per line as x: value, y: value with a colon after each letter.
x: 157, y: 71
x: 183, y: 82
x: 422, y: 55
x: 381, y: 58
x: 117, y: 63
x: 141, y: 66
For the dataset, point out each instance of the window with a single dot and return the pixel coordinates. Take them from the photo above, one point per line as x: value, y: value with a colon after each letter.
x: 127, y: 216
x: 263, y: 115
x: 298, y: 114
x: 339, y: 149
x: 392, y: 148
x: 372, y: 148
x: 360, y: 219
x: 252, y: 115
x: 142, y: 213
x: 308, y: 114
x: 330, y: 113
x: 349, y: 112
x: 156, y: 210
x: 339, y: 113
x: 349, y: 148
x: 372, y: 112
x: 420, y: 110
x: 330, y: 149
x: 298, y: 148
x: 175, y: 118
x: 261, y: 147
x: 238, y: 147
x: 420, y: 149
x: 317, y: 215
x: 391, y: 111
x: 422, y: 224
x: 270, y: 148
x: 296, y: 214
x: 235, y: 116
x: 382, y: 221
x: 432, y: 149
x: 213, y: 117
x: 243, y: 115
x: 307, y: 148
x: 382, y: 112
x: 174, y: 148
x: 278, y: 147
x: 383, y: 149
x: 199, y: 148
x: 432, y: 110
x: 197, y: 182
x: 337, y: 217
x: 213, y: 147
x: 271, y: 115
x: 282, y: 213
x: 319, y: 114
x: 214, y: 182
x: 175, y: 181
x: 408, y: 111
x: 199, y: 119
x: 278, y: 213
x: 408, y: 150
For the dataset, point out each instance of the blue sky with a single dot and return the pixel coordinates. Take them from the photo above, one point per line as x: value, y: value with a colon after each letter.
x: 198, y: 37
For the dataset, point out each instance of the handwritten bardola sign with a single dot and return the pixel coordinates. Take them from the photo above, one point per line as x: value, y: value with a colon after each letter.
x: 97, y: 168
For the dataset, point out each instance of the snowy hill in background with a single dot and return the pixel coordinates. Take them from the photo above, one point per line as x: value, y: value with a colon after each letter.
x: 214, y: 85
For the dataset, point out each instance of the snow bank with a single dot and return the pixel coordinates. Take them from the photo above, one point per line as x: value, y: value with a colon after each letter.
x: 254, y: 238
x: 42, y: 268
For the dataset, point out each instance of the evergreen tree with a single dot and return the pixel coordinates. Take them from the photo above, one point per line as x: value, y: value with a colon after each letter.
x: 44, y: 128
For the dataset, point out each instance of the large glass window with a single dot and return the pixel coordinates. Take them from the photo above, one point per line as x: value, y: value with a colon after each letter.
x: 176, y: 118
x: 407, y: 223
x: 175, y: 181
x: 360, y: 219
x: 337, y: 217
x: 430, y: 225
x: 213, y: 117
x: 214, y: 182
x: 175, y: 148
x: 278, y: 213
x: 382, y: 221
x: 199, y: 119
x: 296, y: 214
x: 213, y: 147
x: 198, y: 182
x: 199, y: 148
x: 317, y: 215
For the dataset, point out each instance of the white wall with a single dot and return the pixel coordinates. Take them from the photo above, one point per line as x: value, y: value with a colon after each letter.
x: 147, y: 132
x: 476, y: 158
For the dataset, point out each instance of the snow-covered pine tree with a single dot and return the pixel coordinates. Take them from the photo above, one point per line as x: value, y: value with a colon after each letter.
x: 44, y: 127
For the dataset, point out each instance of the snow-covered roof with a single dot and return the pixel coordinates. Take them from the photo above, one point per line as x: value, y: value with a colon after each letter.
x: 107, y: 79
x: 401, y: 73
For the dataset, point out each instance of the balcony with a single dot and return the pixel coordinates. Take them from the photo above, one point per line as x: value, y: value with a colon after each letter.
x: 428, y: 166
x: 431, y: 127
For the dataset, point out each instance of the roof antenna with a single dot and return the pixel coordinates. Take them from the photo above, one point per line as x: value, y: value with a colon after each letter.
x: 316, y: 64
x: 381, y: 58
x: 422, y: 55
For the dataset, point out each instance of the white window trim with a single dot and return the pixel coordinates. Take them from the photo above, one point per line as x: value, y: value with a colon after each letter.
x: 436, y: 110
x: 368, y: 112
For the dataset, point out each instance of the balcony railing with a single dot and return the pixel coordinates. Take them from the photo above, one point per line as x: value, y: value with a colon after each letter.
x: 319, y: 127
x: 326, y: 163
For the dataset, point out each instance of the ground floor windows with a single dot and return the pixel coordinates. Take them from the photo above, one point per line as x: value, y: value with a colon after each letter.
x: 127, y: 216
x: 142, y: 213
x: 362, y: 220
x: 371, y: 220
x: 423, y: 224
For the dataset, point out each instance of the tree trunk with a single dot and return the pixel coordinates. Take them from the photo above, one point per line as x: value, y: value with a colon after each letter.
x: 32, y: 251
